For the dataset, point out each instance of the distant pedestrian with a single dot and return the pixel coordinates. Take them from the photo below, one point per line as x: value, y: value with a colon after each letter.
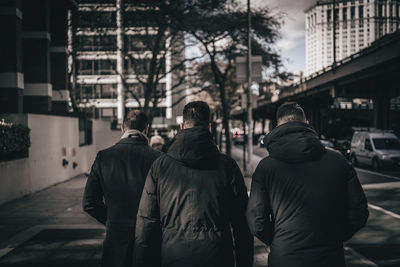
x: 305, y: 200
x: 117, y: 176
x: 193, y: 197
x: 157, y: 142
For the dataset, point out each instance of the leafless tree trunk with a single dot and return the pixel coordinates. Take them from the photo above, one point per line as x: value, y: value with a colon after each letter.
x: 120, y: 62
x: 71, y: 63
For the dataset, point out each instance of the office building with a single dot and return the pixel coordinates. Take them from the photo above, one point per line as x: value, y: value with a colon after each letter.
x: 356, y: 23
x: 107, y: 32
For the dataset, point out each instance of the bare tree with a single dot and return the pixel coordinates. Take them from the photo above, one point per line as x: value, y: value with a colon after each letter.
x: 222, y: 34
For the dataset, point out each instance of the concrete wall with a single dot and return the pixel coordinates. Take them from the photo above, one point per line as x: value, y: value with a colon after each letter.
x: 53, y: 138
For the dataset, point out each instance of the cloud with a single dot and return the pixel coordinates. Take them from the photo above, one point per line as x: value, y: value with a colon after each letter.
x: 292, y: 40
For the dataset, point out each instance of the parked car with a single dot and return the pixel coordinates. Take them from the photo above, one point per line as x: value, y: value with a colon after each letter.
x: 344, y: 147
x: 327, y: 144
x: 377, y: 149
x: 237, y: 138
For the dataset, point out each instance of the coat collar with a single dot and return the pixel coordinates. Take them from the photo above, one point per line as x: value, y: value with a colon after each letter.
x: 133, y: 137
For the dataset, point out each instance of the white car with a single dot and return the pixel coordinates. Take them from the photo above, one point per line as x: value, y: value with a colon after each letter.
x: 377, y: 149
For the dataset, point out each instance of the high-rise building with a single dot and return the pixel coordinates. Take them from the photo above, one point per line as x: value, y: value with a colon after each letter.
x: 108, y: 35
x: 357, y: 24
x: 33, y: 52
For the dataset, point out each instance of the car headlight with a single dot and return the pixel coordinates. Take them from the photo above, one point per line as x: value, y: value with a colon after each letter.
x: 385, y: 156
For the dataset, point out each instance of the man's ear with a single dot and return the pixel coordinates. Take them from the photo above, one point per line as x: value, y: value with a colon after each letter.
x: 182, y: 125
x: 307, y: 122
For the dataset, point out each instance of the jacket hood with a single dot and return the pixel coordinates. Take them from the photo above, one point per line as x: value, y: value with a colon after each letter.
x: 195, y: 148
x: 294, y: 142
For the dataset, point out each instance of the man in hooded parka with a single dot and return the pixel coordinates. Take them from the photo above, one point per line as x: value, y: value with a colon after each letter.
x: 305, y: 200
x: 193, y: 197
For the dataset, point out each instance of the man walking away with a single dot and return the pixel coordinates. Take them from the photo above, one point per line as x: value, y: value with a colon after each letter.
x: 192, y: 197
x: 118, y: 176
x: 305, y: 200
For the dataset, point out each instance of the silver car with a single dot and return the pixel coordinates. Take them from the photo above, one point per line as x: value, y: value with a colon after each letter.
x: 377, y: 149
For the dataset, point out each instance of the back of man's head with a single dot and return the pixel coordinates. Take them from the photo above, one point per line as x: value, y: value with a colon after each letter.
x: 135, y: 120
x: 290, y: 111
x: 196, y: 113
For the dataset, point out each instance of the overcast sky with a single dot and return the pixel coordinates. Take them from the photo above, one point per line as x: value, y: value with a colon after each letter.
x: 292, y: 43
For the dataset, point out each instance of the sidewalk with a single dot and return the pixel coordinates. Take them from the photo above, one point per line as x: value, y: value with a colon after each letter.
x: 50, y: 229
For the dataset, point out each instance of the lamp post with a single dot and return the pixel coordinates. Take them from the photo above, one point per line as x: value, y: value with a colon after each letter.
x: 249, y: 98
x: 334, y: 33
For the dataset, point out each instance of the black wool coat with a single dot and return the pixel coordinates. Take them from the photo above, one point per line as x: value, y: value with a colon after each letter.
x: 305, y: 200
x: 112, y: 195
x: 193, y: 197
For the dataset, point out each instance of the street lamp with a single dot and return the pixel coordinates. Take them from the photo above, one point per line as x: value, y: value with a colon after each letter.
x: 249, y: 81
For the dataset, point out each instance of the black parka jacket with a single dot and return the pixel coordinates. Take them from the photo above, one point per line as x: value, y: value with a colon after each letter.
x: 117, y: 176
x: 305, y: 200
x: 192, y: 197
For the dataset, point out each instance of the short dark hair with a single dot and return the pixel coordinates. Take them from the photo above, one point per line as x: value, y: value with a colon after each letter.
x: 135, y: 119
x: 290, y: 111
x: 196, y: 113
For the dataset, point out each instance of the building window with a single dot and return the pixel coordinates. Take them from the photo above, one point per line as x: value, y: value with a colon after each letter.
x: 137, y: 90
x: 345, y: 13
x: 360, y: 12
x: 140, y: 18
x: 352, y: 12
x: 106, y: 90
x: 97, y: 43
x: 142, y: 43
x: 86, y: 92
x: 142, y: 66
x: 94, y: 19
x: 96, y: 67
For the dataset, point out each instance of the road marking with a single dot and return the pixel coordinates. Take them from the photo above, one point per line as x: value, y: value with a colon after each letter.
x: 377, y: 173
x: 394, y: 215
x: 389, y: 185
x: 362, y: 260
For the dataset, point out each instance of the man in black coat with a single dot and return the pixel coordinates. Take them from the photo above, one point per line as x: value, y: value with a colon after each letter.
x: 305, y: 200
x: 192, y: 198
x: 117, y: 176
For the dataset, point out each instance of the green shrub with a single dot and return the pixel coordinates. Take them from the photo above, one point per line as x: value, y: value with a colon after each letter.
x: 14, y: 141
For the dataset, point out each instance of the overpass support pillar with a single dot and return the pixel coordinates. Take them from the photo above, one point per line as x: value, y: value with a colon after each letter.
x: 381, y: 112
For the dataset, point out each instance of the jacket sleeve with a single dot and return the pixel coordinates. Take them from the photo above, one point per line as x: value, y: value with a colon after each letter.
x: 147, y: 251
x: 357, y: 206
x: 243, y: 240
x: 92, y: 201
x: 259, y: 208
